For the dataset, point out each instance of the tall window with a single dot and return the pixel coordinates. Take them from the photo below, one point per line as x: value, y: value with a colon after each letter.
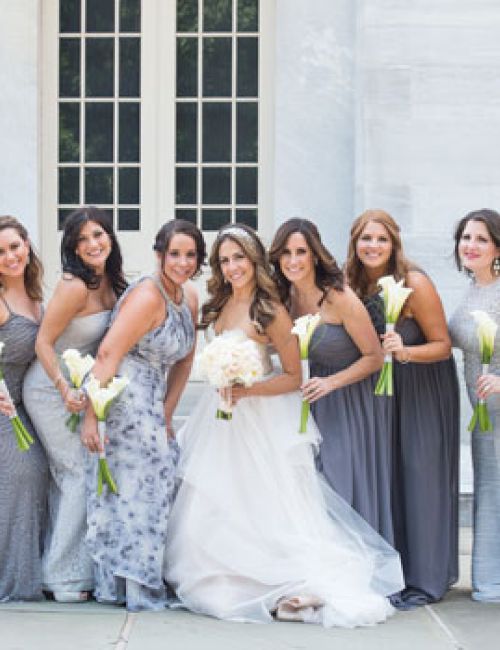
x: 99, y: 108
x: 217, y: 112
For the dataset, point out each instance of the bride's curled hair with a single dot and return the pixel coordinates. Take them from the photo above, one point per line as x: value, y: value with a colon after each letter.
x: 266, y: 296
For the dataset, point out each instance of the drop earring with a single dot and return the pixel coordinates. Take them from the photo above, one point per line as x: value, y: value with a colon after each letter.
x: 496, y: 266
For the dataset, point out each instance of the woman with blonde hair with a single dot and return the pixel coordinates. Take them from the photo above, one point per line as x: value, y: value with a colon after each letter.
x: 253, y: 531
x: 23, y: 474
x: 425, y: 409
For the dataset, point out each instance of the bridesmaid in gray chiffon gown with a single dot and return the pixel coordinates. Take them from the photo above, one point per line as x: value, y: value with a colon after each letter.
x: 23, y: 475
x: 151, y: 341
x: 477, y: 251
x: 425, y: 412
x: 343, y: 354
x: 77, y: 317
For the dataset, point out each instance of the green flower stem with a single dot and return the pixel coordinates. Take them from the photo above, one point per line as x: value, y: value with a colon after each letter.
x: 304, y: 416
x: 480, y: 416
x: 104, y: 475
x: 385, y: 383
x: 224, y: 411
x: 23, y: 438
x: 73, y: 421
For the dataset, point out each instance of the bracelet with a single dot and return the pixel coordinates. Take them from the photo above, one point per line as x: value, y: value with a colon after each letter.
x: 407, y: 360
x: 58, y: 380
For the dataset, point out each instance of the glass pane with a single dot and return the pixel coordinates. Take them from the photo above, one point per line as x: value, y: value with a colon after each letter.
x: 69, y: 16
x: 98, y: 132
x: 130, y: 67
x: 248, y: 68
x: 69, y: 132
x: 187, y: 119
x: 185, y: 185
x: 214, y: 219
x: 246, y: 185
x: 187, y: 67
x: 62, y: 213
x: 217, y: 16
x: 217, y: 132
x: 130, y: 15
x: 188, y: 214
x: 99, y: 58
x: 248, y: 15
x: 247, y: 132
x: 129, y: 134
x: 129, y: 219
x: 187, y: 15
x: 69, y: 185
x: 217, y: 67
x: 247, y: 216
x: 216, y: 185
x: 100, y: 15
x: 69, y: 67
x: 128, y: 185
x: 98, y: 185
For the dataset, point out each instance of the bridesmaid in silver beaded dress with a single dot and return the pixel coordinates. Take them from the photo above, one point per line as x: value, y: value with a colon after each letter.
x: 151, y: 341
x: 23, y: 474
x: 76, y: 317
x: 477, y: 251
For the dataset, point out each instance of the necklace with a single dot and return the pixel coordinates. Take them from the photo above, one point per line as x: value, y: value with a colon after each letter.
x: 178, y: 293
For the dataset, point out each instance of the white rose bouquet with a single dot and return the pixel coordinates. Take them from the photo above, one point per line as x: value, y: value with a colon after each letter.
x: 304, y: 327
x: 78, y: 368
x: 230, y: 358
x: 23, y: 438
x: 394, y: 296
x: 101, y: 399
x: 486, y: 331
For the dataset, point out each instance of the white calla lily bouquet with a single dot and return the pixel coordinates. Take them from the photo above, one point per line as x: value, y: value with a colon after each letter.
x: 23, y: 438
x: 303, y: 328
x: 230, y: 358
x: 394, y: 295
x: 486, y: 332
x: 78, y: 368
x: 101, y: 400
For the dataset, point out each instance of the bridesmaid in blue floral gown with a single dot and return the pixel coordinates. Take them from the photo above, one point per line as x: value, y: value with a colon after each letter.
x: 151, y: 341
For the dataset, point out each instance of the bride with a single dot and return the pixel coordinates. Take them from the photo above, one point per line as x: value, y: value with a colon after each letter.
x: 255, y: 531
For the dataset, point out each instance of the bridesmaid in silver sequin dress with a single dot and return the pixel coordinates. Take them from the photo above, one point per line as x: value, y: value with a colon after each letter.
x: 76, y: 317
x: 151, y: 341
x: 477, y: 251
x: 425, y: 412
x: 23, y: 474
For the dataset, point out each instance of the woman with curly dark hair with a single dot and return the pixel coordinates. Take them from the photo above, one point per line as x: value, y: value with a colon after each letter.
x: 77, y: 316
x: 343, y: 354
x: 23, y: 475
x: 425, y: 409
x: 253, y: 530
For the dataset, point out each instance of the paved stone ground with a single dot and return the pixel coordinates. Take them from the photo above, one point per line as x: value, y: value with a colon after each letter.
x: 455, y: 623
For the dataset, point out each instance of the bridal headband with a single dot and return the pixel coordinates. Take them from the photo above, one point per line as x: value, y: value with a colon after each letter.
x: 237, y: 232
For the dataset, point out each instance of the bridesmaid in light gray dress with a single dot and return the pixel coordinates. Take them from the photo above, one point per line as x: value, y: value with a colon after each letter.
x: 343, y: 354
x: 77, y: 317
x: 151, y: 341
x: 23, y: 474
x: 477, y: 251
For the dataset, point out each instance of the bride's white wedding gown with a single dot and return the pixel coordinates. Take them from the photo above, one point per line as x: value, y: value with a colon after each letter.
x: 254, y: 525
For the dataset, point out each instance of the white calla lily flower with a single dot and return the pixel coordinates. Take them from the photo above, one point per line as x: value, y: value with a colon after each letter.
x: 77, y: 365
x: 101, y: 398
x: 303, y: 328
x: 486, y: 332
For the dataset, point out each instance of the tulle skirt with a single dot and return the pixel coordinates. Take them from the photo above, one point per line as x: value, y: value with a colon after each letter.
x: 255, y: 529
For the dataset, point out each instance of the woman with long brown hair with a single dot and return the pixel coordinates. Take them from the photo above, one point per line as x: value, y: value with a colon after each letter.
x: 77, y: 316
x: 250, y: 533
x: 343, y: 354
x: 23, y: 474
x: 425, y: 409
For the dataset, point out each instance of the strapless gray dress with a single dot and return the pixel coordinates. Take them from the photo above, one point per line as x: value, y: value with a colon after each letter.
x: 23, y: 475
x: 67, y: 564
x: 485, y: 444
x: 355, y: 453
x: 425, y: 489
x: 127, y: 532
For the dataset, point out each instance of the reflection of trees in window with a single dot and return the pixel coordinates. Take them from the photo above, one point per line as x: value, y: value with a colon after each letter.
x: 99, y: 112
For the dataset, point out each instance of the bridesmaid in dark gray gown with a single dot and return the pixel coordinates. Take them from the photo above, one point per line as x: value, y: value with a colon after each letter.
x: 425, y: 412
x: 344, y: 353
x: 23, y: 475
